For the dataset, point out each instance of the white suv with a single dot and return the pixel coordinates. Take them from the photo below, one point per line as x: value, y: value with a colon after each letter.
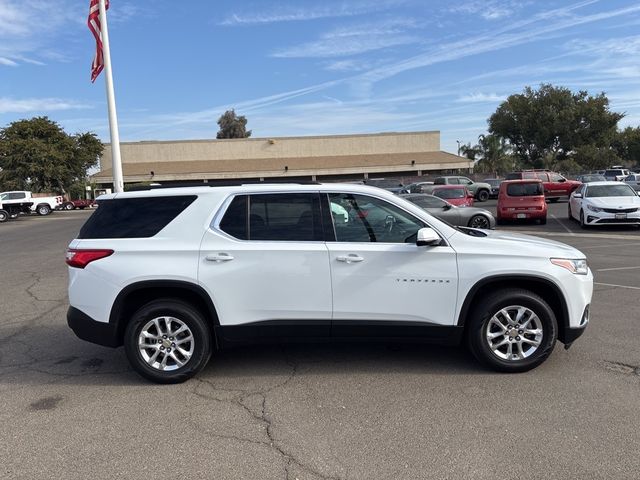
x: 175, y: 273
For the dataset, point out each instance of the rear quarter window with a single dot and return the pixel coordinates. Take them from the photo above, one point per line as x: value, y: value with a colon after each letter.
x: 134, y: 217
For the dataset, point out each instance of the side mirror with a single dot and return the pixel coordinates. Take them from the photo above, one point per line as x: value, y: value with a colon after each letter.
x: 577, y: 195
x: 447, y: 207
x: 562, y: 180
x: 427, y: 237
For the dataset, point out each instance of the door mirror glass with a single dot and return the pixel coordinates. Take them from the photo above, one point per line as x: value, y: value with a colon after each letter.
x: 427, y: 237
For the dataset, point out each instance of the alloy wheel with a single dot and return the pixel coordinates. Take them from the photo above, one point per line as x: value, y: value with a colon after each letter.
x: 514, y: 333
x: 166, y: 343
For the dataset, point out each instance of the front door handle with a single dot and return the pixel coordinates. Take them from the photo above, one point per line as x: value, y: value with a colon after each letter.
x: 219, y: 257
x: 351, y: 258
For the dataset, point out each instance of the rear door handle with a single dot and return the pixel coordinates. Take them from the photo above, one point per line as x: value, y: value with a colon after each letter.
x: 351, y: 258
x: 219, y: 257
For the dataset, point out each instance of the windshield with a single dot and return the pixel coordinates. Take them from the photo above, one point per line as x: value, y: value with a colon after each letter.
x: 4, y: 196
x: 450, y: 193
x: 620, y: 190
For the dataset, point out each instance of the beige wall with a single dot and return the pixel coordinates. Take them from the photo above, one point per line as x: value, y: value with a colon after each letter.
x: 276, y: 147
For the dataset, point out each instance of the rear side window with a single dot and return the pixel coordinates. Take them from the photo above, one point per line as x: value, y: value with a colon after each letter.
x: 276, y: 217
x: 134, y: 217
x: 525, y: 189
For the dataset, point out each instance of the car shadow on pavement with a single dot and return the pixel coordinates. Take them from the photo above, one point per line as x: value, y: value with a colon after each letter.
x: 53, y: 354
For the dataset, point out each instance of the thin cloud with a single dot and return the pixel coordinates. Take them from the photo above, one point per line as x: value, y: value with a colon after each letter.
x: 487, y: 9
x: 355, y: 39
x: 480, y: 98
x: 8, y: 62
x: 506, y: 37
x: 25, y: 105
x: 346, y: 9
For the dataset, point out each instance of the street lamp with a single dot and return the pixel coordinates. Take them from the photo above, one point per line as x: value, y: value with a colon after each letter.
x: 458, y: 142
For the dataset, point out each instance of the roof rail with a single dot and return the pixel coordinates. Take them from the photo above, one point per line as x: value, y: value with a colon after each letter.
x: 222, y: 183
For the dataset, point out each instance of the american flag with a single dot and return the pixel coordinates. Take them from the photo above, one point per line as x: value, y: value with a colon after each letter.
x: 94, y: 25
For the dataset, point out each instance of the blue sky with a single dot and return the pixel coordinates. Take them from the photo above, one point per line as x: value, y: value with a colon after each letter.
x: 312, y: 68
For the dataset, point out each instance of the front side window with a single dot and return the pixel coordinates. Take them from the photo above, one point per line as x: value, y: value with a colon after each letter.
x: 275, y: 217
x: 556, y: 178
x: 370, y: 219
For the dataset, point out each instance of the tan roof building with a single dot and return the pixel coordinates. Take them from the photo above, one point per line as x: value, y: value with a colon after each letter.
x: 310, y: 158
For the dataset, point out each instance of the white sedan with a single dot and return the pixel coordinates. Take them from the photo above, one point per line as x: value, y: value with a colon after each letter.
x: 605, y: 203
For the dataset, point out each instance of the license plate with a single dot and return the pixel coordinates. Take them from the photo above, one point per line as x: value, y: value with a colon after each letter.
x: 621, y: 216
x: 521, y: 215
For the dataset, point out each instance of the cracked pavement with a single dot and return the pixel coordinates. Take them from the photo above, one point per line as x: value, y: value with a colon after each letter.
x: 74, y: 410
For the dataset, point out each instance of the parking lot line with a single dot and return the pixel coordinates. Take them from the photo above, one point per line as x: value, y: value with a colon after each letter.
x: 614, y: 285
x: 582, y: 235
x: 563, y: 225
x: 609, y: 245
x: 616, y: 268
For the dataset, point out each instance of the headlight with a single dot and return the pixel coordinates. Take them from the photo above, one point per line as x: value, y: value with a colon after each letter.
x: 579, y: 267
x: 593, y: 209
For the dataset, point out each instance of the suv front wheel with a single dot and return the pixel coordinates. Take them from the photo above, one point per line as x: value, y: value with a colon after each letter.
x: 512, y: 330
x: 168, y: 341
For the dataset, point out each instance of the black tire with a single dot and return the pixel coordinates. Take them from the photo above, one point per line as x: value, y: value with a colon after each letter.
x: 569, y: 211
x: 43, y: 209
x: 4, y: 216
x: 483, y: 195
x: 185, y: 313
x: 68, y: 206
x: 479, y: 221
x: 478, y: 325
x: 542, y: 221
x: 582, y: 224
x: 553, y: 199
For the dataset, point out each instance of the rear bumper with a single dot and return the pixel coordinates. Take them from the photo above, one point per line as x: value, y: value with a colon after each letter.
x: 88, y: 329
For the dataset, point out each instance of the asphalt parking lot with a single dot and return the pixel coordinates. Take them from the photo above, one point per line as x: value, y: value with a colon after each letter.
x: 75, y: 410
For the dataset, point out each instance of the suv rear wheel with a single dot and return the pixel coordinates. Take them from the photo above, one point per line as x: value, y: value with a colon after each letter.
x: 512, y: 330
x: 168, y: 341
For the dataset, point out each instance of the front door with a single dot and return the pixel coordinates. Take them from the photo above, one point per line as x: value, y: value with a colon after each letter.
x: 384, y: 284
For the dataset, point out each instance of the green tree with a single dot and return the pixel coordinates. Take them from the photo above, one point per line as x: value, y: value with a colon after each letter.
x: 232, y: 125
x: 627, y: 145
x: 548, y: 125
x: 38, y: 155
x: 492, y: 155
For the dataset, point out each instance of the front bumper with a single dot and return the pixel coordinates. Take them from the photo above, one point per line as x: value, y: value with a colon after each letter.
x: 88, y: 329
x: 605, y: 218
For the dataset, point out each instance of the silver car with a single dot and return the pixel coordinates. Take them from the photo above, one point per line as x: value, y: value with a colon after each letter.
x: 459, y: 216
x: 633, y: 181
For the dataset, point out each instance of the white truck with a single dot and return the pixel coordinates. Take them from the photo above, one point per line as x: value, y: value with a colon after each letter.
x: 40, y: 205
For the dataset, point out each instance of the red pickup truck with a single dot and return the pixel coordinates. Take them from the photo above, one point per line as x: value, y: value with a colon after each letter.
x: 555, y: 185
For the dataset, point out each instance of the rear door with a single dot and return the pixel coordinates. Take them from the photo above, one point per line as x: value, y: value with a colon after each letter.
x: 383, y: 284
x: 265, y: 264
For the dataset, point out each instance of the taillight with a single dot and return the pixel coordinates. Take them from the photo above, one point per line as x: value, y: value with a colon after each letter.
x: 80, y: 258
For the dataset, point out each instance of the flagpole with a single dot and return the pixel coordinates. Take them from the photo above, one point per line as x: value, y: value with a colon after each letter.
x: 118, y: 183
